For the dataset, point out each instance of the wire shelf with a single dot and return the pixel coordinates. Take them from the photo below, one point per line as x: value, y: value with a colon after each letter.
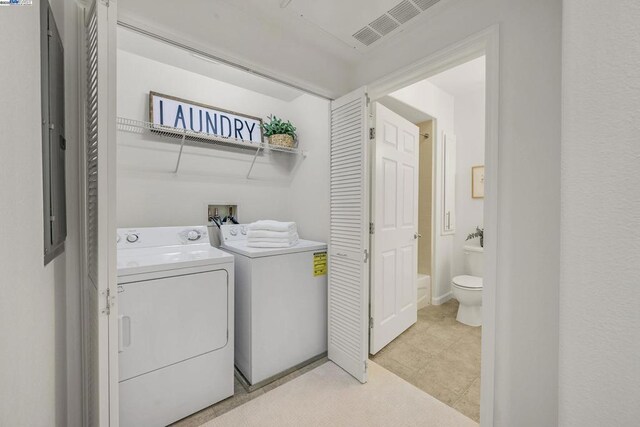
x: 187, y: 136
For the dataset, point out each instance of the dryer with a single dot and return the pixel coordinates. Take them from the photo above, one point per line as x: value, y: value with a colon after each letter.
x: 280, y: 306
x: 176, y: 324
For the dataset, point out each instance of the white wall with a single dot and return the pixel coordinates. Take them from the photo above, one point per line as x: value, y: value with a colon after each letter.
x: 37, y: 311
x: 150, y: 194
x: 428, y: 98
x: 599, y: 285
x: 469, y: 129
x: 526, y: 376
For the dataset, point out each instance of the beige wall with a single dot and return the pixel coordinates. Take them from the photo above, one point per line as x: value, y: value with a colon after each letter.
x: 424, y: 197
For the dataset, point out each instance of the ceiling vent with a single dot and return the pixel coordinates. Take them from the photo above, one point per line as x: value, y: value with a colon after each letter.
x: 384, y: 24
x: 366, y: 36
x: 425, y: 4
x: 388, y: 22
x: 404, y: 11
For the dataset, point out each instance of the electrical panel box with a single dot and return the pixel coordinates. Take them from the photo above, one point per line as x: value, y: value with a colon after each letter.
x: 54, y: 143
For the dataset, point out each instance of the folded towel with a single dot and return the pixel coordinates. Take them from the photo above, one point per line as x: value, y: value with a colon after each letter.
x: 293, y: 239
x: 260, y: 234
x: 270, y: 225
x: 270, y: 244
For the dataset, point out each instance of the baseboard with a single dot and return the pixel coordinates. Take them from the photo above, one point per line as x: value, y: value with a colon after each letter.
x: 441, y: 299
x: 423, y: 302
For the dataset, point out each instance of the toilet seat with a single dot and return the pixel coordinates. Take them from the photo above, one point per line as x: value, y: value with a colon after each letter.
x: 468, y: 282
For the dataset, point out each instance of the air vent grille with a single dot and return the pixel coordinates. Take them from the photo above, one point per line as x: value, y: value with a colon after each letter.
x: 425, y: 4
x: 366, y: 36
x: 388, y: 22
x: 384, y: 24
x: 404, y: 11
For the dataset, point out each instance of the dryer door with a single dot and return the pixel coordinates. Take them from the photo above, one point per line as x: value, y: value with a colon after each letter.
x: 168, y: 320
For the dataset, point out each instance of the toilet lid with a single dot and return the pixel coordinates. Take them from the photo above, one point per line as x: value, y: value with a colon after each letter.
x: 468, y: 281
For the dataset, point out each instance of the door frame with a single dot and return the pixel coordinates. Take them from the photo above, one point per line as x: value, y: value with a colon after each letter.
x: 487, y: 43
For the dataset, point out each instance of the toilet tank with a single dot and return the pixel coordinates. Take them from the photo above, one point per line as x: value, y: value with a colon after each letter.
x: 474, y: 260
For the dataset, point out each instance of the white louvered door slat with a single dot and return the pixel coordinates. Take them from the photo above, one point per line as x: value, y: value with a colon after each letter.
x: 349, y: 236
x: 100, y: 372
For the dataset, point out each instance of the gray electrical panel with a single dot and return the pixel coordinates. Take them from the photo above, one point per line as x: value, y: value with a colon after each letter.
x: 53, y: 135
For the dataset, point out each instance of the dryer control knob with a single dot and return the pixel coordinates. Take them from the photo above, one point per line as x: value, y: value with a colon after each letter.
x: 243, y: 229
x: 233, y: 231
x: 132, y: 238
x: 193, y: 235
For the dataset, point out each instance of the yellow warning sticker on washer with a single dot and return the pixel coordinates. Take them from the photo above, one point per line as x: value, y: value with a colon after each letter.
x: 319, y: 264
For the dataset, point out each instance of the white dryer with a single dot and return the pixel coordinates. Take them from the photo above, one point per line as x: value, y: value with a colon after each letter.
x: 280, y: 306
x: 176, y: 334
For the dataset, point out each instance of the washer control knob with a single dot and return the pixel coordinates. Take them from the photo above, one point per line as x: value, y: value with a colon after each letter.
x: 193, y: 235
x: 233, y: 231
x: 132, y: 238
x: 243, y: 229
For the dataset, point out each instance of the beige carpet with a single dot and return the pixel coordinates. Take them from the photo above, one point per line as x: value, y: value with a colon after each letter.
x: 328, y: 396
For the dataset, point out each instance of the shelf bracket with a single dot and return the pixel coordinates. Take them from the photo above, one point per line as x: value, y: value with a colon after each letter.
x: 184, y: 135
x: 253, y: 162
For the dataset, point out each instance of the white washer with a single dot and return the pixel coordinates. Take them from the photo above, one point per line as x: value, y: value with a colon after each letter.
x: 176, y: 339
x: 281, y: 306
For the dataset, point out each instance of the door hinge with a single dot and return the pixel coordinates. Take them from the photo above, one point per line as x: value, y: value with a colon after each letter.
x: 109, y: 301
x: 49, y: 33
x: 366, y: 365
x: 372, y: 133
x: 372, y: 229
x: 370, y: 322
x: 366, y: 256
x: 366, y: 97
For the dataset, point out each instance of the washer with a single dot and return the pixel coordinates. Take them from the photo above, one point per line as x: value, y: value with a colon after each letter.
x: 176, y: 335
x: 281, y: 306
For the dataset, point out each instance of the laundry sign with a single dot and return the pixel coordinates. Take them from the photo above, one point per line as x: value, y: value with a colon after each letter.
x: 165, y: 110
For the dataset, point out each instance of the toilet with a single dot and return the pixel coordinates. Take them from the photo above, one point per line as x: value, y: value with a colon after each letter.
x: 467, y: 288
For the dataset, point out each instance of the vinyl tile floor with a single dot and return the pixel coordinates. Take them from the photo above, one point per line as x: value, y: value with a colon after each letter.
x: 440, y: 356
x: 240, y: 397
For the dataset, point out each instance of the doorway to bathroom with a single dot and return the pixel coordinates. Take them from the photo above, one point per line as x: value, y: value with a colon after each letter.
x: 427, y: 222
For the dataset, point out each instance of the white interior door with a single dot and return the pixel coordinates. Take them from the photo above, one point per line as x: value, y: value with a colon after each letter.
x: 100, y: 371
x: 394, y: 243
x: 349, y: 236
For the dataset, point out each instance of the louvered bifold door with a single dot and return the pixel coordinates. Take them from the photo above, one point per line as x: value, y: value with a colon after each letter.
x: 99, y: 261
x: 349, y: 236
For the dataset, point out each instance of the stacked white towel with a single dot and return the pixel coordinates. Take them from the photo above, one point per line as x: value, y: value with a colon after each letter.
x: 272, y: 234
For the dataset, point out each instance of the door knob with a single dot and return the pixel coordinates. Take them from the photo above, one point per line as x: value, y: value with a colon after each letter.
x: 416, y: 235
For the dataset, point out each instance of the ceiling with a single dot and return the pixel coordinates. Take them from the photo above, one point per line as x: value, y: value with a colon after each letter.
x: 358, y: 25
x: 308, y: 43
x: 328, y: 25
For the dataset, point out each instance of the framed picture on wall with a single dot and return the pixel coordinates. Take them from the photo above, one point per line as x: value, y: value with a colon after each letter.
x: 477, y: 182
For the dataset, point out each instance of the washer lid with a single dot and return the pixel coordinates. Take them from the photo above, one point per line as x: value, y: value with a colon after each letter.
x: 240, y: 247
x: 468, y: 281
x: 163, y: 258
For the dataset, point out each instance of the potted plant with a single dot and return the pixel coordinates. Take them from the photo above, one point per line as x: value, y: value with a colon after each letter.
x: 478, y: 233
x: 279, y: 132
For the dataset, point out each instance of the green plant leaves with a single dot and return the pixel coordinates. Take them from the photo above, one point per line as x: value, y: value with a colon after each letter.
x: 478, y: 233
x: 276, y: 126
